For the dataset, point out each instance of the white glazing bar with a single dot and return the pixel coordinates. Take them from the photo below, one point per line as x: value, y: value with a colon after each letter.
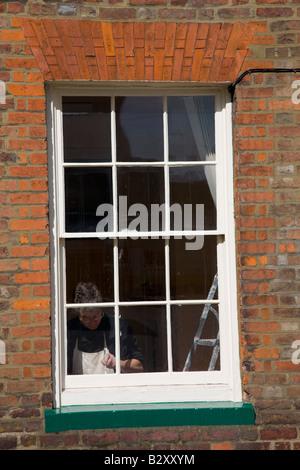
x: 134, y: 234
x: 114, y: 166
x: 115, y: 225
x: 63, y: 310
x: 117, y: 308
x: 60, y: 159
x: 147, y: 303
x: 168, y: 306
x: 166, y: 166
x: 139, y: 164
x: 167, y: 228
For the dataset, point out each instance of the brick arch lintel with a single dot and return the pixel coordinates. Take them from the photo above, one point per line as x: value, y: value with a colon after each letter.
x: 70, y: 49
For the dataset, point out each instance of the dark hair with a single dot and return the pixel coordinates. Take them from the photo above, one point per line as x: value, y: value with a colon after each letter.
x: 87, y: 292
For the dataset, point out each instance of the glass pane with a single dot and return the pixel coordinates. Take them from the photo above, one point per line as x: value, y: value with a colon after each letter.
x: 142, y: 191
x: 141, y: 269
x: 192, y: 271
x: 193, y: 197
x: 185, y: 327
x: 85, y: 190
x: 191, y: 121
x: 149, y: 326
x: 139, y: 122
x: 89, y: 260
x: 86, y: 126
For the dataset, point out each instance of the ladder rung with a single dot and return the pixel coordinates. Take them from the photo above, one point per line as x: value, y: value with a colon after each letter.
x: 206, y: 342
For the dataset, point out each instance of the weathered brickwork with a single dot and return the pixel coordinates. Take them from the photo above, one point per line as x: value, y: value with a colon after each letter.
x: 156, y: 40
x: 266, y: 207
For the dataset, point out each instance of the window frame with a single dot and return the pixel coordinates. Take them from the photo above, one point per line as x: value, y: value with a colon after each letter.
x: 223, y: 385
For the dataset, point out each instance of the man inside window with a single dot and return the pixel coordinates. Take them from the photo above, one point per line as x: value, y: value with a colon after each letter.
x: 91, y: 338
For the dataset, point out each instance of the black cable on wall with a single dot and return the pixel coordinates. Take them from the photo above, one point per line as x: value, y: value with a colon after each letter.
x: 262, y: 70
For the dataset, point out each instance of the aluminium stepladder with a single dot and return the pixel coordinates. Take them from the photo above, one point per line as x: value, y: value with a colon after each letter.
x: 206, y: 342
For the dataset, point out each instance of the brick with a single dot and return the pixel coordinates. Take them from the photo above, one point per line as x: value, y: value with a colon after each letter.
x: 258, y: 196
x: 54, y: 441
x: 117, y: 13
x: 100, y: 438
x: 15, y: 7
x: 27, y: 251
x: 32, y: 331
x: 8, y: 443
x: 267, y: 353
x: 20, y: 63
x: 280, y: 433
x: 8, y: 265
x: 259, y: 274
x: 178, y: 58
x: 31, y: 198
x: 31, y: 278
x: 261, y: 327
x: 160, y: 435
x: 222, y: 446
x: 27, y: 144
x: 30, y: 304
x: 12, y: 36
x: 28, y: 224
x: 42, y: 372
x: 26, y: 90
x: 263, y: 247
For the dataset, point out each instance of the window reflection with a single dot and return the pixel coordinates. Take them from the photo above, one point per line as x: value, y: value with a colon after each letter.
x: 89, y: 260
x: 191, y: 121
x: 139, y: 129
x: 141, y: 270
x: 86, y: 127
x: 85, y: 190
x: 149, y: 326
x: 195, y: 187
x: 192, y: 271
x: 143, y: 189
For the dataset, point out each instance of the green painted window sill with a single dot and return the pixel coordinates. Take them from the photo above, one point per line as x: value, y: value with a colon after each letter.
x: 86, y: 417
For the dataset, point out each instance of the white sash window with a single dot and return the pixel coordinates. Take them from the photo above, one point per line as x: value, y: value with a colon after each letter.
x: 143, y: 207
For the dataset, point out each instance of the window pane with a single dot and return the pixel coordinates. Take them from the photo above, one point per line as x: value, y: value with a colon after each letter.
x: 191, y: 122
x: 192, y: 268
x: 85, y: 190
x: 185, y: 326
x: 143, y: 189
x: 194, y: 187
x: 89, y: 260
x: 149, y: 326
x: 141, y: 269
x: 86, y: 126
x: 139, y: 125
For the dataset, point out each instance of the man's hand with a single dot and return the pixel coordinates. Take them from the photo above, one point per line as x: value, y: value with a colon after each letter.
x: 130, y: 365
x: 109, y: 361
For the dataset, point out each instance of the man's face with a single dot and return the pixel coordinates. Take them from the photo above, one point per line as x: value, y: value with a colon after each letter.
x: 90, y: 317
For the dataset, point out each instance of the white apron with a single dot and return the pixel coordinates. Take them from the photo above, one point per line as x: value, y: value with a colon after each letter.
x: 90, y: 363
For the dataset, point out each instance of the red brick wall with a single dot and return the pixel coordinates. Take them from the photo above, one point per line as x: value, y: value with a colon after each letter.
x: 268, y: 243
x: 266, y: 150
